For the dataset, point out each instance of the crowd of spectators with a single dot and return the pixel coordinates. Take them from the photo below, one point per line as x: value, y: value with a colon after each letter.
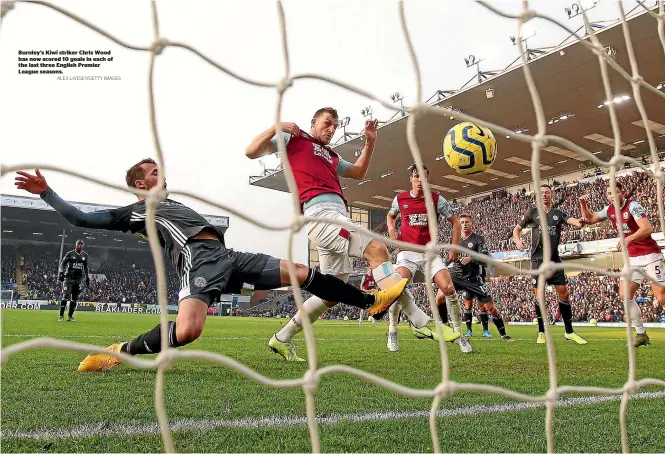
x: 117, y: 276
x: 593, y: 296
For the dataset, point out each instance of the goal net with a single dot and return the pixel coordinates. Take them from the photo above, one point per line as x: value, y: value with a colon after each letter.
x: 538, y: 141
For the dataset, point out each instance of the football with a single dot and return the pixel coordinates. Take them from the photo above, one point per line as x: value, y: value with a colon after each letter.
x: 469, y: 148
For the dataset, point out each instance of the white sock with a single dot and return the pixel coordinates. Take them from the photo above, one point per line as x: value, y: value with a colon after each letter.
x: 393, y: 316
x: 314, y: 307
x: 636, y: 317
x: 416, y: 316
x: 454, y: 311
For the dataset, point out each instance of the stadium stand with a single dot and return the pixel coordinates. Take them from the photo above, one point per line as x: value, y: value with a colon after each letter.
x: 125, y: 274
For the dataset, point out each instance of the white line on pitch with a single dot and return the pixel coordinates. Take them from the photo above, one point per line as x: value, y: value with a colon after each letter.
x: 350, y: 339
x: 207, y: 425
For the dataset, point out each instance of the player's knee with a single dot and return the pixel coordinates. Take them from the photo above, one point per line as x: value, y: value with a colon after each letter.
x: 376, y: 251
x: 302, y: 273
x: 187, y: 332
x: 448, y: 289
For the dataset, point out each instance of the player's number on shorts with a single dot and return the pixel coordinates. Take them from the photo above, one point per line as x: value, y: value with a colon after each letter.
x: 657, y: 267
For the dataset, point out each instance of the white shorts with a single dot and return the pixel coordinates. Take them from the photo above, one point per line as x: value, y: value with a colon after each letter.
x: 335, y: 244
x: 414, y: 261
x: 652, y: 264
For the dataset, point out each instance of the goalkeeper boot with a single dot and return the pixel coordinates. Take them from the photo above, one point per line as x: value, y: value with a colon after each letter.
x: 575, y: 337
x: 383, y: 299
x: 641, y: 339
x: 507, y: 338
x: 429, y: 332
x: 100, y: 362
x: 541, y: 338
x: 487, y: 334
x: 393, y: 344
x: 286, y: 350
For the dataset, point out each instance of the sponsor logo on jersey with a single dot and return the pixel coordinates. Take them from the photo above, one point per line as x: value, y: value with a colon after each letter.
x: 321, y: 151
x: 406, y: 205
x: 417, y: 220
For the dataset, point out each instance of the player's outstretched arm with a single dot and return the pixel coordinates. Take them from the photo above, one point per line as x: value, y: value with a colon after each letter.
x: 589, y: 216
x: 263, y: 145
x: 36, y: 184
x: 358, y: 171
x: 579, y: 223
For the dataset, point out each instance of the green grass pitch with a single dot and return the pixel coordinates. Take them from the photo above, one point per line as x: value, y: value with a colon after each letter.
x: 48, y: 407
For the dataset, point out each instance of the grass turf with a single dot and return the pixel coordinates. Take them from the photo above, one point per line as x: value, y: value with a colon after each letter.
x: 41, y: 391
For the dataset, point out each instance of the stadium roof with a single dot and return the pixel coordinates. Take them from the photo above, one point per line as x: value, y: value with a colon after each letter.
x: 31, y: 219
x: 568, y: 81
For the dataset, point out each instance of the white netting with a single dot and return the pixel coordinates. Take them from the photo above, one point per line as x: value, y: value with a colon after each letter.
x: 310, y: 380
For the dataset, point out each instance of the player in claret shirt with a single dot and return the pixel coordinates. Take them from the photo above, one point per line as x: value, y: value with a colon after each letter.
x: 207, y: 268
x: 317, y: 170
x: 643, y: 251
x: 412, y: 208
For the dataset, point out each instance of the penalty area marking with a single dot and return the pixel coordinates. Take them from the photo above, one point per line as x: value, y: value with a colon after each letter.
x: 207, y: 425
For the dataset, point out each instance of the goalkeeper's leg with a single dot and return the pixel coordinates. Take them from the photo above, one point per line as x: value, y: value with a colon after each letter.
x: 186, y: 328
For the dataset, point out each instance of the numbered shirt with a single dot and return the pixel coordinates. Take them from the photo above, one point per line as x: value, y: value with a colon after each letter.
x: 631, y: 212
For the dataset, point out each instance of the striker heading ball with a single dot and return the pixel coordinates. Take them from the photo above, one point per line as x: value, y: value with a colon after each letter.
x: 469, y: 148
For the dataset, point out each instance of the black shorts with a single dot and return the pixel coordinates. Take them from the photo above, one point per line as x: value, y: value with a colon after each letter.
x: 71, y: 290
x: 208, y: 270
x: 558, y: 278
x: 472, y: 290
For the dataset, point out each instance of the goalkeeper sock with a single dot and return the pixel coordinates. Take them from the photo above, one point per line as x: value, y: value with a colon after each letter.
x: 636, y: 317
x: 63, y: 306
x: 72, y: 308
x: 566, y: 315
x: 331, y: 288
x: 151, y: 342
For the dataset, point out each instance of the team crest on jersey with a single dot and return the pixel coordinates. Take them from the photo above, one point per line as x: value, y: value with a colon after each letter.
x: 83, y: 258
x: 625, y: 215
x: 470, y: 245
x: 321, y: 151
x: 199, y: 282
x: 555, y: 217
x: 406, y: 205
